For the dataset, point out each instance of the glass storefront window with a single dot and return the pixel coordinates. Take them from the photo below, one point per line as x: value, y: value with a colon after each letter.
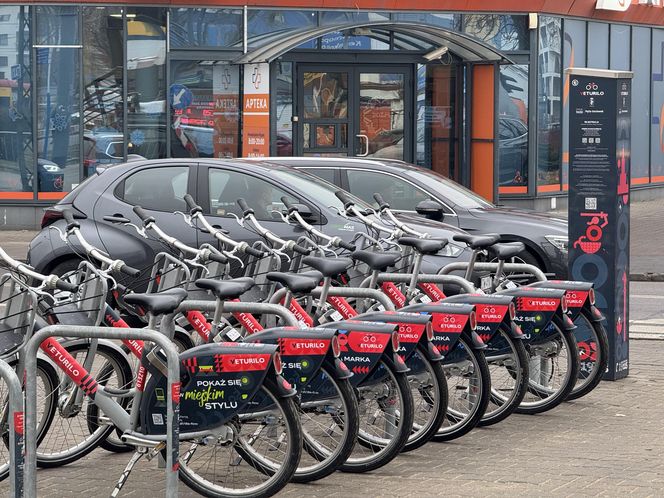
x: 657, y: 108
x: 549, y: 108
x: 58, y: 114
x: 103, y: 102
x: 513, y: 126
x: 356, y: 40
x: 16, y: 156
x: 284, y: 108
x: 574, y: 55
x: 265, y: 25
x: 204, y: 109
x: 449, y: 21
x: 218, y: 28
x: 505, y: 32
x: 640, y: 154
x: 146, y: 81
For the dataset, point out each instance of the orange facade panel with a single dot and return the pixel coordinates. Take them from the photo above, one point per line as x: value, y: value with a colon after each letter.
x: 482, y: 131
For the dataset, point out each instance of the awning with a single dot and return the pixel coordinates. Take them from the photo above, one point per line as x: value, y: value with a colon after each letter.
x: 466, y: 47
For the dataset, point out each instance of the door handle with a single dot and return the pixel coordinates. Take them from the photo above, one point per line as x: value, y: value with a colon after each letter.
x: 366, y: 140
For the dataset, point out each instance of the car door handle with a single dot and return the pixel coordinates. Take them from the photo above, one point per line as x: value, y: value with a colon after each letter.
x: 116, y: 218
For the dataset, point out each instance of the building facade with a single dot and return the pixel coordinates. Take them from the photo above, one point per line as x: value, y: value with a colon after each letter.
x: 477, y: 95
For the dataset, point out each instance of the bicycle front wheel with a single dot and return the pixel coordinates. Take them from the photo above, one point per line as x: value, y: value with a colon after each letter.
x: 593, y: 344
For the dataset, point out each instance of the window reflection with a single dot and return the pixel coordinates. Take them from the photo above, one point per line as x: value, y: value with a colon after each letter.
x: 504, y: 32
x: 58, y: 116
x: 549, y: 106
x: 103, y: 116
x: 146, y: 81
x: 205, y: 28
x: 266, y: 25
x: 204, y: 109
x: 356, y: 39
x: 513, y: 126
x: 284, y: 121
x: 16, y: 157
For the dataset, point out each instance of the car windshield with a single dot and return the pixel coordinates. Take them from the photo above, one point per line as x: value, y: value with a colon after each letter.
x: 452, y: 191
x: 315, y: 188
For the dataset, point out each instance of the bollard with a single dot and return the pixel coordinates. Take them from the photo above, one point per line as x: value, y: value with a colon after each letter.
x: 107, y: 404
x: 16, y: 430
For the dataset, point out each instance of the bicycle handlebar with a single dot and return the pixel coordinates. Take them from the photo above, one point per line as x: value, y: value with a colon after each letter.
x: 63, y: 285
x: 345, y: 198
x: 246, y: 210
x: 382, y: 204
x: 191, y: 203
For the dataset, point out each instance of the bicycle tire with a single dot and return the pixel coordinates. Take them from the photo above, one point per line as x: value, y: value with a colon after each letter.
x: 519, y: 372
x: 78, y: 451
x: 329, y: 463
x: 385, y: 452
x: 567, y: 341
x: 277, y: 480
x: 465, y: 424
x: 580, y: 389
x: 437, y: 406
x: 49, y: 372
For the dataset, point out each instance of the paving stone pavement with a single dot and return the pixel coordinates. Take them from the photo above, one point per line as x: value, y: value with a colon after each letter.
x: 609, y: 443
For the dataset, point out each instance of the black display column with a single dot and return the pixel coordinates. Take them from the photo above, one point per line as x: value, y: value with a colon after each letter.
x: 599, y: 176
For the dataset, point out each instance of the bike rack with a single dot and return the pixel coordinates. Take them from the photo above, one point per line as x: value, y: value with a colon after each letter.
x: 373, y: 294
x: 507, y: 267
x: 242, y: 307
x: 172, y: 413
x: 432, y: 278
x: 17, y: 430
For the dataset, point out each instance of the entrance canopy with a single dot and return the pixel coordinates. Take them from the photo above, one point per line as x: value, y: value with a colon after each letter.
x: 436, y: 39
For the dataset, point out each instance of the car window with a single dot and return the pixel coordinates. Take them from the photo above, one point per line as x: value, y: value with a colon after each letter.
x: 226, y: 187
x: 161, y: 189
x: 400, y: 194
x: 326, y: 174
x: 449, y: 190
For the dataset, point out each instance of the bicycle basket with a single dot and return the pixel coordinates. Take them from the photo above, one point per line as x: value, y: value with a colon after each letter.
x: 18, y: 304
x: 86, y: 306
x: 168, y: 272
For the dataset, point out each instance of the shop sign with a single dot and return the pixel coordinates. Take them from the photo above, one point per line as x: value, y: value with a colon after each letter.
x: 226, y: 96
x: 599, y: 177
x: 256, y: 111
x: 616, y: 5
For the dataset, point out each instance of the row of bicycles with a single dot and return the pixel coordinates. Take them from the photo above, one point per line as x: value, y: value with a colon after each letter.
x: 298, y: 358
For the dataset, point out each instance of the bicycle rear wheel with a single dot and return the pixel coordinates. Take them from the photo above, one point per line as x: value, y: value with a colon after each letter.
x: 258, y: 458
x: 508, y: 363
x: 469, y: 384
x: 554, y: 368
x: 593, y: 344
x: 386, y: 419
x: 429, y: 391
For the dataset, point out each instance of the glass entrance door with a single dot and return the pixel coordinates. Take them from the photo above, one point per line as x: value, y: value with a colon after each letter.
x: 362, y: 111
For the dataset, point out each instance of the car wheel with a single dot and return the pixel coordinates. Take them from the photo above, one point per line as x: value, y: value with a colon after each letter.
x: 526, y: 257
x: 66, y: 266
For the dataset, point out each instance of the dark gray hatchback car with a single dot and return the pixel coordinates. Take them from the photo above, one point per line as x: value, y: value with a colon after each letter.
x: 159, y: 187
x: 405, y: 185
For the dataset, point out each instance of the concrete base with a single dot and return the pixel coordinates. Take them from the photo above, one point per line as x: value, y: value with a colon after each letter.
x: 21, y: 217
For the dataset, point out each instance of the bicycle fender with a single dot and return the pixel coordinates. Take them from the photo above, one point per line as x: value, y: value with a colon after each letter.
x: 576, y: 293
x: 338, y: 368
x: 535, y: 308
x: 302, y: 350
x: 411, y: 328
x: 490, y: 311
x: 595, y: 314
x: 218, y: 381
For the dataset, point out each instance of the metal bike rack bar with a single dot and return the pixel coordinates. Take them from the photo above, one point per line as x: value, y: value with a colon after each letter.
x: 362, y: 293
x: 172, y: 413
x: 507, y: 267
x: 242, y: 307
x: 424, y: 278
x: 16, y: 434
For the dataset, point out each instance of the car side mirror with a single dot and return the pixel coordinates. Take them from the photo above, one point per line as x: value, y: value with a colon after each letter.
x: 430, y: 209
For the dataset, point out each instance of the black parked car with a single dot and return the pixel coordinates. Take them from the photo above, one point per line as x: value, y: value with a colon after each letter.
x: 405, y: 186
x: 159, y: 187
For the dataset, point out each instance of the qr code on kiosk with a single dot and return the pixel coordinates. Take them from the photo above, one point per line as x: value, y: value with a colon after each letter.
x: 591, y: 202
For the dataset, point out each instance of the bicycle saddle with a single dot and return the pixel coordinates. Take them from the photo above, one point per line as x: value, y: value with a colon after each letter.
x: 296, y: 283
x: 477, y: 241
x: 507, y: 250
x: 329, y: 267
x: 376, y: 260
x: 226, y: 289
x: 160, y: 303
x: 423, y: 246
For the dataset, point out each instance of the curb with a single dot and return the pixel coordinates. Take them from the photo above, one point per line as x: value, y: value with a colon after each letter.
x: 646, y: 277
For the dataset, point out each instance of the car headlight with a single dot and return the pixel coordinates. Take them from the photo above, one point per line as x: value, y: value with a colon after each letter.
x: 451, y: 250
x: 51, y: 168
x: 558, y: 241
